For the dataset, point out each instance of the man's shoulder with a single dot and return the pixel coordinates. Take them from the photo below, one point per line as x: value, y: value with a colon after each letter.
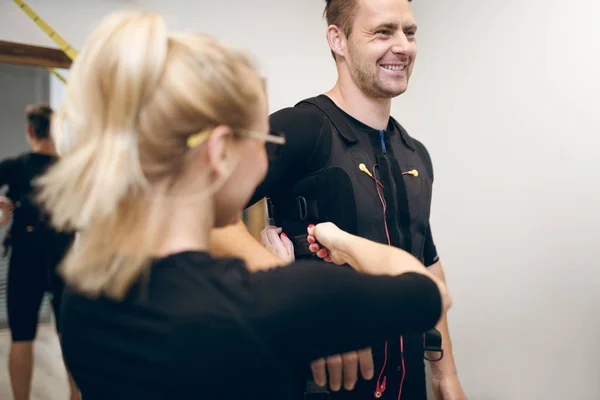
x: 416, y: 144
x: 14, y: 161
x: 404, y: 132
x: 299, y: 116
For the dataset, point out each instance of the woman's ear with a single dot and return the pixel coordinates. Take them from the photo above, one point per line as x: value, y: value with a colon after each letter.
x: 336, y: 40
x: 219, y: 150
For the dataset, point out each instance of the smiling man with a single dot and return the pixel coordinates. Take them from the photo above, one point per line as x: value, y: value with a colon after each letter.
x: 349, y: 162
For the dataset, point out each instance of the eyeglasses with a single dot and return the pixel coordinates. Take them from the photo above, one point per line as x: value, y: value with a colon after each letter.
x: 274, y: 139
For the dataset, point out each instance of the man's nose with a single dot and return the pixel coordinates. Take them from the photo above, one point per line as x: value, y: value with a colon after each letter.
x: 401, y: 44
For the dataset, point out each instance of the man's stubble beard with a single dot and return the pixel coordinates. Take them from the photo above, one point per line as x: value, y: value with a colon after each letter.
x: 367, y: 80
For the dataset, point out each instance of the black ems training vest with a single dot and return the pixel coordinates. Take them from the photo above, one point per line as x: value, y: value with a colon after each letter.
x: 343, y: 193
x: 28, y: 213
x: 31, y: 222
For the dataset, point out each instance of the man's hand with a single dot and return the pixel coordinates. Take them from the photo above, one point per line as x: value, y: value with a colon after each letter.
x: 278, y: 243
x: 6, y: 206
x: 447, y: 387
x: 343, y: 369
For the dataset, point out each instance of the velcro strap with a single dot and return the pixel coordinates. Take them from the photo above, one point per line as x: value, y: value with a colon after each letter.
x: 301, y: 245
x: 433, y: 340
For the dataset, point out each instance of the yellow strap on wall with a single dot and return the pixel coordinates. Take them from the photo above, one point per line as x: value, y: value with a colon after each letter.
x: 57, y: 74
x: 61, y: 43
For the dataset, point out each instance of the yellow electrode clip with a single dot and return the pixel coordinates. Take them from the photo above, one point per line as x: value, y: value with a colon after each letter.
x: 364, y: 169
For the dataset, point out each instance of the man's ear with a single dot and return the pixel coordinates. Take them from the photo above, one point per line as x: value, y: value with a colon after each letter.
x: 29, y: 131
x: 219, y: 150
x: 336, y: 40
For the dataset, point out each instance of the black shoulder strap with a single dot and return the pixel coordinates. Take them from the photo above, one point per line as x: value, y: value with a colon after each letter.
x: 335, y: 116
x: 424, y: 154
x: 416, y: 145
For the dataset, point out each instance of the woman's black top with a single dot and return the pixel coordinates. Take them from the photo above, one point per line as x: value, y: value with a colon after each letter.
x: 197, y: 327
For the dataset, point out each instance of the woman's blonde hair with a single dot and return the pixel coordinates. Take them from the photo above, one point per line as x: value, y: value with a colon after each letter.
x: 135, y: 95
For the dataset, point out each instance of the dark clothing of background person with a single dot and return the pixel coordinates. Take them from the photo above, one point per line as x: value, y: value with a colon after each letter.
x: 36, y: 249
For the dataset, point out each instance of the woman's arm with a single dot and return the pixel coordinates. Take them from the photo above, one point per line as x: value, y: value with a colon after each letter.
x: 309, y: 310
x: 334, y: 245
x: 365, y: 255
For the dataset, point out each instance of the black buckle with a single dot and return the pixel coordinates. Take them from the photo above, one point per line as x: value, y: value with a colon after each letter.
x: 314, y: 392
x: 302, y: 208
x: 270, y: 211
x: 432, y: 342
x: 317, y: 396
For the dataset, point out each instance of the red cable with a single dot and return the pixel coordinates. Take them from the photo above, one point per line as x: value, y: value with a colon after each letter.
x: 403, y: 367
x: 381, y: 386
x: 387, y: 233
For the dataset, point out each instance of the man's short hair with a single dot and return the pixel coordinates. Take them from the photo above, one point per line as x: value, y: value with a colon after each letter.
x: 38, y: 117
x: 342, y: 14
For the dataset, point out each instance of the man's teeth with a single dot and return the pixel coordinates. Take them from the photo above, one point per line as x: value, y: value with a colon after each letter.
x: 394, y: 67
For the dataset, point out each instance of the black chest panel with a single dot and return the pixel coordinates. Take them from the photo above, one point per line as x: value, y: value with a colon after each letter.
x: 391, y: 201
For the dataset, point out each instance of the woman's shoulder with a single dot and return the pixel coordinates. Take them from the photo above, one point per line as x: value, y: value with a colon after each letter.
x: 178, y: 286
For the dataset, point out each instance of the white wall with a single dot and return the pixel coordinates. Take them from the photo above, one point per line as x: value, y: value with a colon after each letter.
x: 19, y: 87
x: 294, y: 29
x: 58, y: 88
x: 503, y: 95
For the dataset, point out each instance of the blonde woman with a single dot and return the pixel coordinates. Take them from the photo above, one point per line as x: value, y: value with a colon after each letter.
x: 164, y: 137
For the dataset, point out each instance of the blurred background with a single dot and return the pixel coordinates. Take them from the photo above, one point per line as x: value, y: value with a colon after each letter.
x: 504, y: 95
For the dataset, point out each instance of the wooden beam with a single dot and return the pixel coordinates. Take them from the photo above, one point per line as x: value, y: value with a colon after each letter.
x: 25, y: 54
x: 257, y: 218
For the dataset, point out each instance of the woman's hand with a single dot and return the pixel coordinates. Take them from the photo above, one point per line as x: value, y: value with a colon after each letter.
x: 326, y: 241
x: 278, y: 243
x: 6, y: 207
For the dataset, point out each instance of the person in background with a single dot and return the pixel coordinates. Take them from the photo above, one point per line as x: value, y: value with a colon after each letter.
x: 36, y: 248
x: 353, y: 163
x: 168, y: 138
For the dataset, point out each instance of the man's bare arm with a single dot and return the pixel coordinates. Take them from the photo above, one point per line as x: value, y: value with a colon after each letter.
x: 444, y: 374
x: 6, y: 208
x: 235, y: 241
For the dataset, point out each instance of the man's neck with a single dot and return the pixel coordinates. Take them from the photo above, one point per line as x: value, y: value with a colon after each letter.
x: 43, y: 147
x: 371, y: 112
